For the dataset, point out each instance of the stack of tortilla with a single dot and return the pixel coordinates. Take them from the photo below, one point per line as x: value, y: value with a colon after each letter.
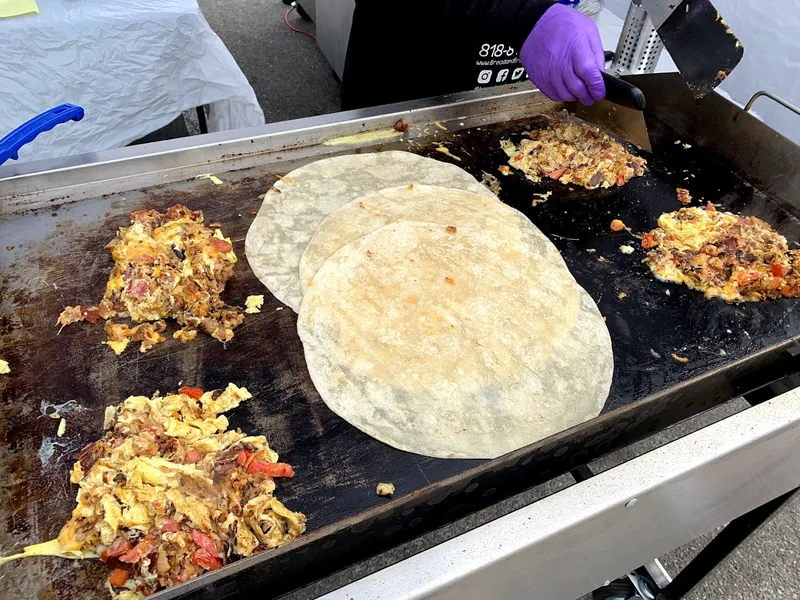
x: 434, y: 317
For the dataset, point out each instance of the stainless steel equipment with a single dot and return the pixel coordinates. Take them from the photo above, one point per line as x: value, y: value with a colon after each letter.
x: 639, y: 46
x: 334, y: 18
x: 310, y: 8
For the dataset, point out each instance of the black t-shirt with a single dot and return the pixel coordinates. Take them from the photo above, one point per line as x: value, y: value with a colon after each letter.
x: 407, y: 49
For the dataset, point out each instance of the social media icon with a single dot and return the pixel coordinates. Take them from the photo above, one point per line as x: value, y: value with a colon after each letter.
x: 502, y: 75
x: 485, y: 76
x: 518, y: 72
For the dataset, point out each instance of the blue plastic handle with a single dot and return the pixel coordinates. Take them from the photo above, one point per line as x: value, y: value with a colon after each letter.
x: 570, y: 2
x: 27, y: 132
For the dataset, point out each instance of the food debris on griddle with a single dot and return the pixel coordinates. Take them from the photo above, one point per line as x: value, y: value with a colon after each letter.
x: 253, y: 304
x: 4, y: 368
x: 166, y: 265
x: 617, y: 225
x: 385, y: 489
x: 491, y: 182
x: 680, y: 359
x: 684, y: 197
x: 401, y: 126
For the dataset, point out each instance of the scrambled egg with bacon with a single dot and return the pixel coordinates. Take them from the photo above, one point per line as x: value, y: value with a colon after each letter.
x: 574, y: 152
x: 170, y: 493
x: 738, y: 259
x: 166, y: 265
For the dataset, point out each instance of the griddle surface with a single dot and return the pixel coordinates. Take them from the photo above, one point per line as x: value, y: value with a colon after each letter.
x: 58, y: 260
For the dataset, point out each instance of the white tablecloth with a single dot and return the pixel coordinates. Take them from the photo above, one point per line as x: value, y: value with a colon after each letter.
x: 133, y: 65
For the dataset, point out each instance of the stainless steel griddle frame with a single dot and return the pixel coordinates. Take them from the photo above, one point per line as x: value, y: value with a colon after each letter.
x: 603, y: 526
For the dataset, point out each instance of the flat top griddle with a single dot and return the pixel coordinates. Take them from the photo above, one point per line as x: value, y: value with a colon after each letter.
x: 56, y: 258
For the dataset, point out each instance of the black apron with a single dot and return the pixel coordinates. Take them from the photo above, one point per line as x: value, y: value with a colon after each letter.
x: 407, y: 49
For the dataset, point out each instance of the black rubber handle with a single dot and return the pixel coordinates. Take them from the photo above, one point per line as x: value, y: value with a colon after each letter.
x: 623, y: 93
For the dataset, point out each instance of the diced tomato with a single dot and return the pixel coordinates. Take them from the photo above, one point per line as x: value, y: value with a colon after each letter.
x: 556, y: 174
x: 744, y: 278
x: 518, y: 157
x: 710, y: 207
x: 617, y: 225
x: 243, y: 457
x: 192, y: 392
x: 119, y: 547
x: 620, y: 180
x: 205, y: 542
x: 140, y: 550
x: 264, y: 467
x: 118, y: 577
x: 779, y: 270
x: 221, y: 245
x: 193, y: 456
x: 170, y: 525
x: 709, y: 249
x: 206, y: 560
x: 648, y: 241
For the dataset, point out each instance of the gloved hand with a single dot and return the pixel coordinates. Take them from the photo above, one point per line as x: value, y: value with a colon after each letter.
x: 563, y: 56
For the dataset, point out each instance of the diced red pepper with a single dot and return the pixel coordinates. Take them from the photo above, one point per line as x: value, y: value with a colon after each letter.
x: 648, y: 241
x: 744, y: 278
x: 193, y: 456
x: 170, y: 526
x: 779, y: 270
x: 221, y: 245
x: 192, y: 392
x: 270, y: 469
x: 205, y: 542
x: 206, y: 560
x: 557, y: 173
x: 243, y: 457
x: 140, y: 550
x: 118, y: 577
x: 119, y: 547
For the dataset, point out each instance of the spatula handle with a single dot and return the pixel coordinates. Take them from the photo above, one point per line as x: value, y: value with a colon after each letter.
x: 623, y: 93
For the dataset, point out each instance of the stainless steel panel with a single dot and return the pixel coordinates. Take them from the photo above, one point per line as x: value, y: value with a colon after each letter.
x: 40, y: 184
x: 561, y: 547
x: 334, y: 18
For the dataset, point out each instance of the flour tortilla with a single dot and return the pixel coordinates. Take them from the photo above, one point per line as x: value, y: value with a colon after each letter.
x: 288, y: 219
x: 429, y: 203
x: 462, y: 345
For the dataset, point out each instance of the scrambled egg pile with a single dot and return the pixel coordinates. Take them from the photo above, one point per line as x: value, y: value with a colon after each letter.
x: 574, y: 152
x: 166, y: 265
x: 738, y: 259
x: 170, y: 493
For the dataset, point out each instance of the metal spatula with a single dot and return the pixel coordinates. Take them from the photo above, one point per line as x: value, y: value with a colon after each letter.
x: 699, y: 40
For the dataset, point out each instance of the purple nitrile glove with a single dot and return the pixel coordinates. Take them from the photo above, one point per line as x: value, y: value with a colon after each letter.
x: 564, y: 57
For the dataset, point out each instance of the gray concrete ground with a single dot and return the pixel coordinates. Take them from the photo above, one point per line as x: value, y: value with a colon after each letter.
x: 292, y: 79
